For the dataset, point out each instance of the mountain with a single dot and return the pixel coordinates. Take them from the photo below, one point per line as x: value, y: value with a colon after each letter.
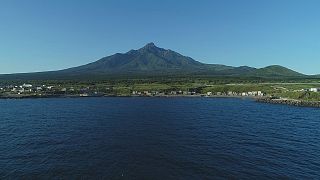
x: 151, y: 60
x: 274, y: 71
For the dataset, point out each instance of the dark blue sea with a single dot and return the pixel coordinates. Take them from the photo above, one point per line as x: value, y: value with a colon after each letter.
x: 157, y: 138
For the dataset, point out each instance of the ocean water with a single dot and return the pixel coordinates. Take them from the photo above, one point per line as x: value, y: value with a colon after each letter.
x: 157, y: 138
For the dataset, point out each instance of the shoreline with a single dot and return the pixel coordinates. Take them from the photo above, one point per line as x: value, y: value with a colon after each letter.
x: 155, y: 96
x: 290, y: 102
x: 269, y: 100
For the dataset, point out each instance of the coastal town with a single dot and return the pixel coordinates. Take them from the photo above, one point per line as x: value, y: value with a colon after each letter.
x: 28, y: 90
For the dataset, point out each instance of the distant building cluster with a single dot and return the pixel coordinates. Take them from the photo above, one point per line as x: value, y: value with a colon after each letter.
x: 27, y: 89
x: 195, y: 93
x: 231, y: 93
x: 24, y: 88
x: 309, y: 90
x: 163, y: 93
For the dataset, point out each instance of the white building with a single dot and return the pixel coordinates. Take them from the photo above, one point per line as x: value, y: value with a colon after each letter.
x: 314, y: 89
x: 27, y: 85
x: 244, y: 94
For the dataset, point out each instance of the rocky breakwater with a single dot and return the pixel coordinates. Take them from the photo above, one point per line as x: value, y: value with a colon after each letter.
x: 291, y: 102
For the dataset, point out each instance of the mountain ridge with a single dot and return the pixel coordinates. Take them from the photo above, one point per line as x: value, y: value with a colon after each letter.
x: 151, y: 60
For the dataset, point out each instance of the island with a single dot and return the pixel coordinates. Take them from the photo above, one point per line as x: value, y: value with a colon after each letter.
x: 157, y: 72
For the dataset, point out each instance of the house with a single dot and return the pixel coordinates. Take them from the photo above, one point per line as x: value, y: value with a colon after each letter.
x: 260, y: 93
x: 251, y: 93
x: 244, y: 94
x: 154, y: 93
x: 21, y: 90
x: 27, y: 85
x: 84, y: 95
x: 173, y: 92
x: 209, y: 93
x: 146, y: 93
x: 314, y: 89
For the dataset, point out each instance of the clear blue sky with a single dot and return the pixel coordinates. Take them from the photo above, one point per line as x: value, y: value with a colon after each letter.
x: 38, y: 35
